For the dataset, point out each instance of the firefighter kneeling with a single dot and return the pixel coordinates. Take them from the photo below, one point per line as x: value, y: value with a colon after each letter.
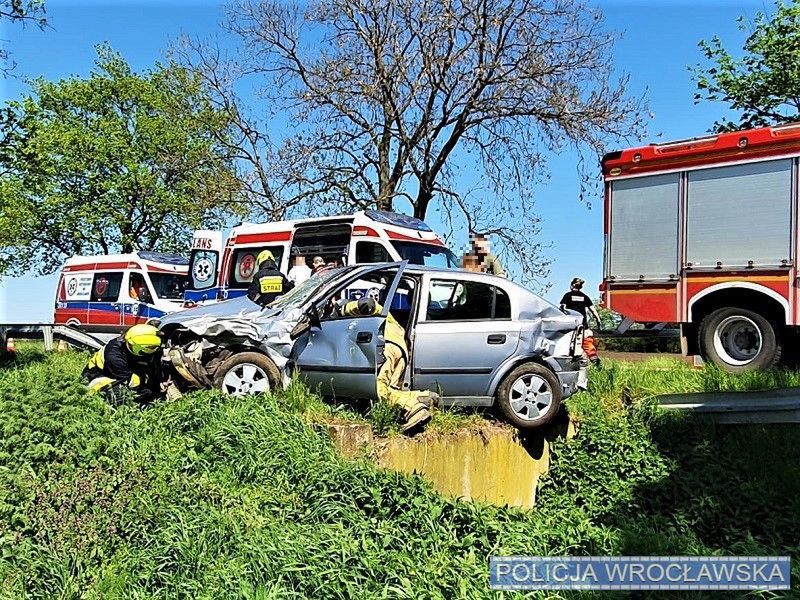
x: 126, y: 366
x: 415, y: 404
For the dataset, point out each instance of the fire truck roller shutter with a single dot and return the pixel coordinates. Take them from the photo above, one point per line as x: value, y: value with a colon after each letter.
x: 739, y: 214
x: 644, y: 228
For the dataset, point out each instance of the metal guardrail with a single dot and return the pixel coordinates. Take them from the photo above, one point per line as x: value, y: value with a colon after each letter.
x: 768, y: 406
x: 50, y: 332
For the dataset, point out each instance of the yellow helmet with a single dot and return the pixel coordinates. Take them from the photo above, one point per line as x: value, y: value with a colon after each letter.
x: 142, y: 339
x: 264, y: 256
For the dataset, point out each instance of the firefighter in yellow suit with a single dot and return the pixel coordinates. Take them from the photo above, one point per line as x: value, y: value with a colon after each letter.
x: 127, y: 365
x: 414, y: 404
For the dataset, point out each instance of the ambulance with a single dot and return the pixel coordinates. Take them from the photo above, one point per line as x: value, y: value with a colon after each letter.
x: 371, y: 236
x: 109, y: 293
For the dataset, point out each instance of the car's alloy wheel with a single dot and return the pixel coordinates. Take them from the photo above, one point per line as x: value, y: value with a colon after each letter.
x: 244, y: 379
x: 530, y: 397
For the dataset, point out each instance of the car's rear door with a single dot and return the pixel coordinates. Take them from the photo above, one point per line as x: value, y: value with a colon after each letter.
x: 464, y: 333
x: 341, y: 357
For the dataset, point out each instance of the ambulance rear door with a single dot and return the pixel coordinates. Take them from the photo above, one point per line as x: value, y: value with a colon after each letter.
x: 72, y: 297
x: 204, y: 263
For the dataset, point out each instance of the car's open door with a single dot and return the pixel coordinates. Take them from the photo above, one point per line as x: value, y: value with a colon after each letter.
x: 341, y: 356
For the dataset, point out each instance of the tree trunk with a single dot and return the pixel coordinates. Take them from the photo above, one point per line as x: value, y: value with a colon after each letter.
x: 384, y: 202
x: 424, y: 197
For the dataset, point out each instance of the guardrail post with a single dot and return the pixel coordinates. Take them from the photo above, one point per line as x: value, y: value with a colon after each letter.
x: 47, y: 334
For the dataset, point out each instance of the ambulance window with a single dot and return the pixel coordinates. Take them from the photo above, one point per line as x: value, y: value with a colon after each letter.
x: 243, y: 265
x: 467, y: 300
x: 137, y: 289
x: 371, y: 252
x: 105, y: 287
x: 169, y: 286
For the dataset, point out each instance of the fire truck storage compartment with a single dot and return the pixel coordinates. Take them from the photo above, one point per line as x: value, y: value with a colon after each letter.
x: 329, y: 241
x: 740, y: 213
x: 644, y: 228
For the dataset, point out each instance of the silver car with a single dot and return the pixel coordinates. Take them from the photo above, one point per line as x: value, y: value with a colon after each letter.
x: 476, y: 339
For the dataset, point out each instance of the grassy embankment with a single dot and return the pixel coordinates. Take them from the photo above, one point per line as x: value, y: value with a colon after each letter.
x: 210, y: 496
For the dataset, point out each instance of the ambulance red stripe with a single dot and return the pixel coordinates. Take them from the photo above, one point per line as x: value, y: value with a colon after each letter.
x: 257, y: 238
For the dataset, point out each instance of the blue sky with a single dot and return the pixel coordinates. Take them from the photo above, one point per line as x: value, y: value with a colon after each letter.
x: 659, y: 42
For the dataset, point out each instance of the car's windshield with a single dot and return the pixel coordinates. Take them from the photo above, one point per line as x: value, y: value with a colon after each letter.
x: 426, y: 254
x: 299, y: 295
x: 169, y: 286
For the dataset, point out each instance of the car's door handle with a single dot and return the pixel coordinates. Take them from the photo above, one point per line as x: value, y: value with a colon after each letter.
x: 496, y: 338
x: 364, y: 337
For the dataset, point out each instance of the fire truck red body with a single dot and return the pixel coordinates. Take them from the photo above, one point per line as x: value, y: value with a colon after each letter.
x: 703, y: 233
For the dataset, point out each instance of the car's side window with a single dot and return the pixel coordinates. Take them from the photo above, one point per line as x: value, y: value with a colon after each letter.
x: 466, y: 300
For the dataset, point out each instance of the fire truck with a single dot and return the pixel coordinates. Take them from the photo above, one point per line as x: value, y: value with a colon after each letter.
x: 703, y: 233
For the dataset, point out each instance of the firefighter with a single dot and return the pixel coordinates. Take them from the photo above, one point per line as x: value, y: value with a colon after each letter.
x: 576, y: 300
x: 128, y: 364
x: 268, y: 282
x: 414, y: 404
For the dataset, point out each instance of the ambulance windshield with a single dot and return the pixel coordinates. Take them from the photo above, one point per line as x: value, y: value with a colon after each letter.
x: 169, y: 286
x: 426, y: 254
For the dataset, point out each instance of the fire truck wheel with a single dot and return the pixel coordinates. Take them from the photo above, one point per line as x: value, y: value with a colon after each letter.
x: 247, y: 373
x: 738, y: 339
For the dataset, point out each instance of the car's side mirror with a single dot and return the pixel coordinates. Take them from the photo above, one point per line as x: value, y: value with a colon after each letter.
x: 313, y: 317
x: 307, y: 322
x: 303, y: 326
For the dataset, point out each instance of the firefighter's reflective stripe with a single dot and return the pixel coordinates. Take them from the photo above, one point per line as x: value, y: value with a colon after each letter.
x: 270, y: 285
x: 135, y: 381
x: 98, y: 384
x: 97, y: 361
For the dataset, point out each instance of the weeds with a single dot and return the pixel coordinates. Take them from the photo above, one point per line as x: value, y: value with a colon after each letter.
x: 212, y: 496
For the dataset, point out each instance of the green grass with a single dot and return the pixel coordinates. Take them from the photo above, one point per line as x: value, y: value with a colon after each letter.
x: 213, y: 497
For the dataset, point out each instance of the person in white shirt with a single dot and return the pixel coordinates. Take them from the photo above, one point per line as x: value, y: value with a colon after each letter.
x: 300, y: 271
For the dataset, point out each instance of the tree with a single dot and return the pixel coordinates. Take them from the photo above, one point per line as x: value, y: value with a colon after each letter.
x: 272, y: 176
x: 431, y: 105
x: 114, y: 162
x: 763, y: 86
x: 19, y: 11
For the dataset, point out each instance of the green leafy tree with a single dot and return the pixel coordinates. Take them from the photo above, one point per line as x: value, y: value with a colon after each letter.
x: 114, y: 162
x: 763, y: 85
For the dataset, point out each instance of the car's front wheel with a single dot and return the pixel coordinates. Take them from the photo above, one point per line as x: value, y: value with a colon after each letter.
x: 530, y: 396
x: 246, y: 373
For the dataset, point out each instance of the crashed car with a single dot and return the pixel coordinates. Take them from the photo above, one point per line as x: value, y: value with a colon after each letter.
x: 475, y: 339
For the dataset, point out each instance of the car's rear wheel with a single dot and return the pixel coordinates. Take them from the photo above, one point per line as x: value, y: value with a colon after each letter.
x: 530, y: 396
x: 247, y: 373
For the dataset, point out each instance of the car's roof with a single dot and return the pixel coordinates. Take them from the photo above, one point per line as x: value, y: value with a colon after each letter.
x: 420, y: 269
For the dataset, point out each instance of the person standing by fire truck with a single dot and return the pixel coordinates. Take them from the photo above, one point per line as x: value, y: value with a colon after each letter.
x: 576, y: 300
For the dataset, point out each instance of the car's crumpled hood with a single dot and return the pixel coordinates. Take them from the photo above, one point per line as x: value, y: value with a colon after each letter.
x: 241, y: 322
